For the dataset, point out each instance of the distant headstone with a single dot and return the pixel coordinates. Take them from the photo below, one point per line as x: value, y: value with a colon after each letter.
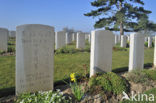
x: 119, y: 39
x: 101, y: 51
x: 80, y: 43
x: 123, y: 41
x: 34, y: 58
x: 128, y: 38
x: 89, y: 38
x: 149, y: 42
x: 146, y: 39
x: 12, y: 34
x: 116, y: 39
x: 60, y: 39
x: 74, y: 36
x: 86, y: 36
x: 155, y: 53
x: 4, y: 33
x: 136, y: 54
x: 68, y: 38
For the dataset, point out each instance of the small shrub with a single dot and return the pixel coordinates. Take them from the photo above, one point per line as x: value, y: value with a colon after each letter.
x: 146, y: 44
x: 119, y: 49
x: 2, y: 52
x: 141, y: 76
x: 150, y: 73
x: 71, y: 50
x: 11, y: 49
x: 43, y: 97
x: 109, y: 82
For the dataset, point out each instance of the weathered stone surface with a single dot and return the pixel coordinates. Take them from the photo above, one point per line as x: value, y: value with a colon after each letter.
x: 12, y: 34
x: 80, y: 43
x: 136, y: 54
x: 68, y: 38
x: 101, y: 51
x: 149, y: 42
x: 123, y: 41
x: 60, y: 39
x: 4, y: 33
x: 34, y: 58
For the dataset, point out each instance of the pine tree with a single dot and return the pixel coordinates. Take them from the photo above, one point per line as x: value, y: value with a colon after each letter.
x: 120, y: 15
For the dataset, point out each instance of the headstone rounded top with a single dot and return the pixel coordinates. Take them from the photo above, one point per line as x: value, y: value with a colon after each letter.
x: 106, y: 32
x: 34, y: 25
x: 3, y: 29
x: 136, y: 34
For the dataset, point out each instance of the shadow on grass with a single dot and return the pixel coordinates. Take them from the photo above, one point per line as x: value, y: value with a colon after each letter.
x: 7, y: 91
x: 11, y: 91
x: 124, y: 69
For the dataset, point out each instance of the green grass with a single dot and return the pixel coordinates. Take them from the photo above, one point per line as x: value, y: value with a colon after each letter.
x: 7, y: 71
x: 66, y: 64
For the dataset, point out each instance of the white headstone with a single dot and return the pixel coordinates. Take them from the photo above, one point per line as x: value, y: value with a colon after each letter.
x: 149, y: 42
x: 146, y: 39
x: 4, y: 33
x: 86, y: 36
x: 119, y: 39
x: 80, y: 43
x: 101, y: 51
x: 68, y: 38
x: 12, y: 34
x: 136, y: 54
x: 116, y: 39
x: 155, y: 52
x: 128, y: 38
x: 89, y: 38
x: 34, y: 58
x: 74, y: 37
x: 123, y: 41
x: 60, y: 39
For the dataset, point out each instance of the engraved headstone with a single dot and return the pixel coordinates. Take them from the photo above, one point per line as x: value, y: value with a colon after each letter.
x: 60, y: 39
x: 136, y: 54
x: 4, y: 33
x: 101, y: 51
x: 34, y: 58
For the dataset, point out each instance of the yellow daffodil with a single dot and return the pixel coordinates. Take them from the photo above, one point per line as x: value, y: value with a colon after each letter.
x: 72, y: 77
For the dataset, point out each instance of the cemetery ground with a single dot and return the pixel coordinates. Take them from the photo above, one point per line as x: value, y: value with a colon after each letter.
x: 70, y: 60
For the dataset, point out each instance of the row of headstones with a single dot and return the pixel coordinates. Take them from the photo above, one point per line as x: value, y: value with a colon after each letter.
x: 35, y: 55
x: 62, y: 38
x: 125, y: 38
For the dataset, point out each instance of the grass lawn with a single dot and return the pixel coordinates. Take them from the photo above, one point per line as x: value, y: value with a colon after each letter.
x: 66, y: 64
